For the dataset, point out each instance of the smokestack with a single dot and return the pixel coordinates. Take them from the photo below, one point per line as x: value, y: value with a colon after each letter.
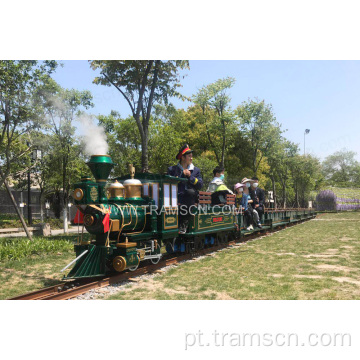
x: 100, y: 166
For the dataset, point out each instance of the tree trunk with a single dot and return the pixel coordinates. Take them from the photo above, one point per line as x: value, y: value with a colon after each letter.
x: 284, y: 194
x: 66, y: 230
x: 303, y: 199
x: 144, y: 153
x: 17, y: 209
x: 41, y: 205
x: 296, y: 196
x: 223, y: 145
x: 254, y: 162
x: 274, y: 190
x: 209, y: 138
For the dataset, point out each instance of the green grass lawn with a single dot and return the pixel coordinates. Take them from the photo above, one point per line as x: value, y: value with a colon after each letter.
x: 27, y: 266
x: 319, y: 259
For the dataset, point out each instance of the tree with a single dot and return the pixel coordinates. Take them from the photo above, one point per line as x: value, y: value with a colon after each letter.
x: 283, y: 167
x: 19, y: 113
x: 142, y: 83
x: 261, y: 128
x: 340, y: 168
x: 123, y: 140
x: 278, y: 160
x: 63, y: 159
x: 216, y: 114
x: 273, y: 161
x: 305, y: 172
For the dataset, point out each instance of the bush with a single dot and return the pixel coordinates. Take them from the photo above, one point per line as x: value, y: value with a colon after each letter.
x: 326, y: 201
x: 8, y: 221
x: 15, y: 249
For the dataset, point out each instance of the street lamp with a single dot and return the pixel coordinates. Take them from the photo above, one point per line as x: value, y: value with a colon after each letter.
x: 47, y: 207
x: 35, y: 155
x: 305, y: 133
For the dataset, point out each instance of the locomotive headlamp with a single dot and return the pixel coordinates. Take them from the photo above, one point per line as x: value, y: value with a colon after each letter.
x: 78, y: 194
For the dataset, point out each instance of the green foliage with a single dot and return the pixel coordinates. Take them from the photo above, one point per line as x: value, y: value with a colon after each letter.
x: 8, y: 221
x: 216, y: 115
x: 62, y: 163
x: 261, y: 129
x: 130, y: 74
x: 142, y: 83
x: 342, y: 169
x: 15, y: 248
x: 163, y: 141
x: 305, y: 172
x: 124, y: 142
x: 20, y: 113
x: 206, y: 163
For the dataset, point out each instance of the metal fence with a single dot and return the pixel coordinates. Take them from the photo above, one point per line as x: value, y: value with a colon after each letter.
x: 7, y: 207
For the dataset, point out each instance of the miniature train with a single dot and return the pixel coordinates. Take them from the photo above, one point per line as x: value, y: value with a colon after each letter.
x: 136, y: 216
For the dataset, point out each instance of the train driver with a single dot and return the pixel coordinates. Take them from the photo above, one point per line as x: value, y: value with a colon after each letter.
x: 187, y: 191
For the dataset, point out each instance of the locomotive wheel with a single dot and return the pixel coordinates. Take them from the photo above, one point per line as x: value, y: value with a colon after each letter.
x: 199, y: 244
x: 119, y: 263
x: 155, y: 261
x: 157, y: 251
x: 133, y: 268
x: 220, y: 238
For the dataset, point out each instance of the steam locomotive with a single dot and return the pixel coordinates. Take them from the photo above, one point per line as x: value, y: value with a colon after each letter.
x: 135, y: 217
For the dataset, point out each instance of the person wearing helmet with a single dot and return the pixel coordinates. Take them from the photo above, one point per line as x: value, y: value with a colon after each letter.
x: 187, y: 191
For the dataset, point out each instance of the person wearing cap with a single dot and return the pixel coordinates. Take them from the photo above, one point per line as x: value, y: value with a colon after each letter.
x: 187, y: 191
x: 258, y: 197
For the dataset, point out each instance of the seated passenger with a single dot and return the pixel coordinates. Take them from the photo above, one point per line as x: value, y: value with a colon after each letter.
x: 251, y: 215
x: 218, y: 187
x: 258, y: 196
x: 238, y: 189
x: 187, y: 191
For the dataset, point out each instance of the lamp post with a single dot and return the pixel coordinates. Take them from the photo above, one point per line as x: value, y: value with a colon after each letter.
x: 305, y: 133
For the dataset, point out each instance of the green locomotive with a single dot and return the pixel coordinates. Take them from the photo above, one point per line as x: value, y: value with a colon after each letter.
x: 135, y: 216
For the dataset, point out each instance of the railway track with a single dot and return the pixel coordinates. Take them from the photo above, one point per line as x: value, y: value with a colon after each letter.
x: 71, y: 289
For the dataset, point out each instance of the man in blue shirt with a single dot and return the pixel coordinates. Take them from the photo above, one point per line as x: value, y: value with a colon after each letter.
x: 187, y: 191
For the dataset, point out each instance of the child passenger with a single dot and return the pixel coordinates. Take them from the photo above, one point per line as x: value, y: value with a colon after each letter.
x: 238, y: 189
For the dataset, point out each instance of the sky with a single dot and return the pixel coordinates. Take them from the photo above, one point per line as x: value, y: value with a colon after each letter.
x: 322, y: 96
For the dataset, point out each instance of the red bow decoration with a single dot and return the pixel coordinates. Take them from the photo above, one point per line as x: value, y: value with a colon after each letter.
x: 106, y: 222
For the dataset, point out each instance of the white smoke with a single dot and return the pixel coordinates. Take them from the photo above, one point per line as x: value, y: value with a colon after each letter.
x: 93, y: 136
